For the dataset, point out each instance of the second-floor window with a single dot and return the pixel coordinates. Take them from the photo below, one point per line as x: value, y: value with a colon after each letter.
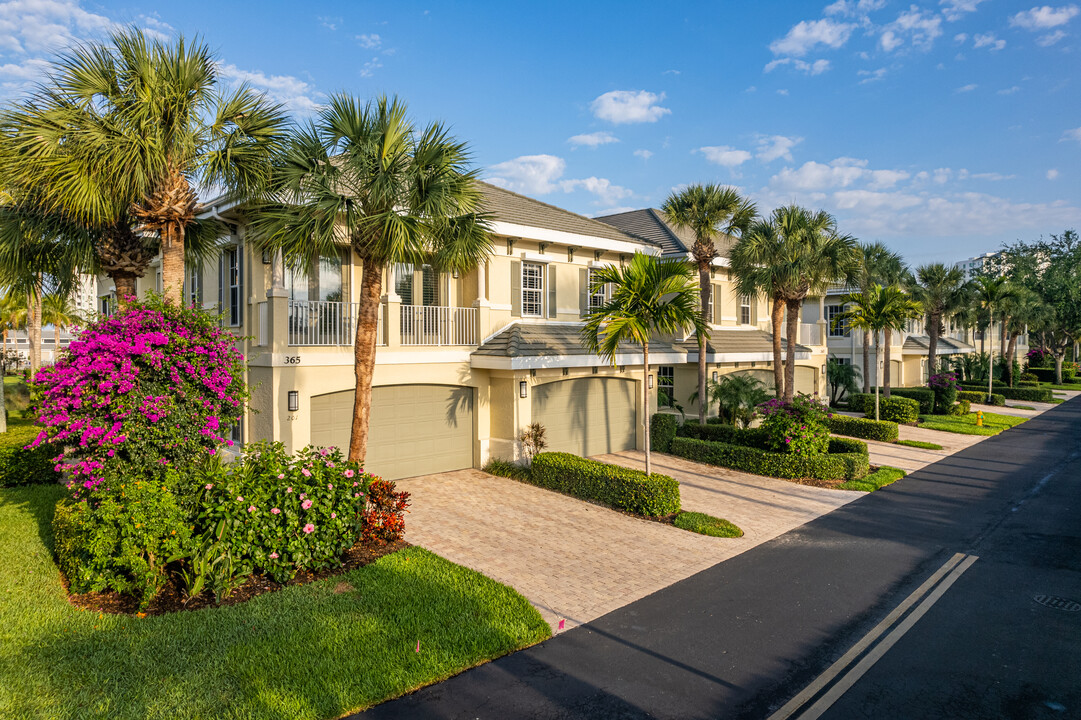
x: 597, y: 296
x: 744, y: 310
x: 837, y: 328
x: 532, y: 289
x: 666, y: 385
x: 230, y: 295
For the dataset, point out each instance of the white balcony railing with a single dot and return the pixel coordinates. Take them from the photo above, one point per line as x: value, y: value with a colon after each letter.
x: 438, y: 325
x: 808, y: 334
x: 326, y: 323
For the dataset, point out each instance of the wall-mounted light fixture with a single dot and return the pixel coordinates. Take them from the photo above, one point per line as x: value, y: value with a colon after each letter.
x: 823, y: 369
x: 714, y: 376
x: 650, y: 382
x: 266, y: 257
x: 523, y: 389
x: 294, y: 401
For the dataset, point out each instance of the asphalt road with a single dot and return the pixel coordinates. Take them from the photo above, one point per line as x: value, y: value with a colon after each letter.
x: 740, y: 639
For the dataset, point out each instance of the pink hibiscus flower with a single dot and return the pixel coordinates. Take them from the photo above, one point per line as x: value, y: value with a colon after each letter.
x: 309, y: 528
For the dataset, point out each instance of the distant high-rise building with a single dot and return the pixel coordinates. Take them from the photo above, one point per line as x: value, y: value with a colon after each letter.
x: 974, y: 265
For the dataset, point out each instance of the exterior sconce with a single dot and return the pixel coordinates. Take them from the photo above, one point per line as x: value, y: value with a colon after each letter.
x: 523, y: 389
x: 266, y: 257
x: 714, y: 376
x: 294, y: 401
x: 823, y: 369
x: 650, y: 382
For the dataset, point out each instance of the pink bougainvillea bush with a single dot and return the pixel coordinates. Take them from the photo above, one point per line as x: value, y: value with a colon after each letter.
x: 153, y: 386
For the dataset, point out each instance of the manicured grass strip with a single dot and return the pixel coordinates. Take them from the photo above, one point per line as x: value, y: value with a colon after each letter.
x: 878, y: 479
x: 706, y: 525
x: 920, y: 444
x: 312, y: 651
x: 993, y: 423
x: 1022, y: 407
x: 1057, y: 401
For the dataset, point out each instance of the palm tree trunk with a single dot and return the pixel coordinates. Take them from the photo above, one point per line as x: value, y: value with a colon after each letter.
x: 878, y: 354
x: 866, y: 361
x: 703, y: 399
x: 371, y: 287
x: 125, y: 287
x: 172, y: 263
x: 776, y: 317
x: 990, y: 359
x: 645, y: 401
x: 792, y: 330
x: 3, y: 404
x: 1010, y: 353
x: 932, y: 344
x: 886, y: 363
x: 33, y: 330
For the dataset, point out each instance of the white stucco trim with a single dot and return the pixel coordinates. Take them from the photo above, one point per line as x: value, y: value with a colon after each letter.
x: 494, y: 362
x: 500, y: 227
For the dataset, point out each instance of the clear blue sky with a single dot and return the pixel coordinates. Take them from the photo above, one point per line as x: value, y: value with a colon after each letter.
x: 941, y: 128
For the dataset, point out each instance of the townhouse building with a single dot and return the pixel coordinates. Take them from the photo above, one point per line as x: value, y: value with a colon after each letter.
x: 466, y: 362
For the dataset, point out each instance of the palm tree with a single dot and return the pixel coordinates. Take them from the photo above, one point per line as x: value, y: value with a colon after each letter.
x: 879, y: 310
x: 878, y: 266
x: 943, y: 293
x: 649, y: 296
x: 124, y: 132
x: 708, y: 211
x: 990, y: 294
x: 792, y: 255
x: 367, y: 175
x: 842, y: 378
x: 57, y: 310
x: 736, y: 396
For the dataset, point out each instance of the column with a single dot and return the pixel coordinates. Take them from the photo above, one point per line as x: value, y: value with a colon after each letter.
x: 483, y: 305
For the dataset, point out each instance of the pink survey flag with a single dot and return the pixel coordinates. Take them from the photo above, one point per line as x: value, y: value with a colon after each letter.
x: 418, y: 645
x: 562, y: 622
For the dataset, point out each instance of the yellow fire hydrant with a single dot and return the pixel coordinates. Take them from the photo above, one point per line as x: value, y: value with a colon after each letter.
x: 979, y: 418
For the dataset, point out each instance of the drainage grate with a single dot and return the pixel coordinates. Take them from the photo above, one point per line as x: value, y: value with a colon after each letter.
x: 1057, y: 603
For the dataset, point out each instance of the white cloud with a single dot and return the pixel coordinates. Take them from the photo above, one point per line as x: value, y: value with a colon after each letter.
x: 817, y: 177
x: 992, y: 176
x: 155, y: 27
x: 813, y: 68
x: 368, y: 69
x: 1052, y: 174
x: 771, y: 147
x: 724, y: 155
x: 884, y: 179
x: 988, y: 40
x: 871, y: 75
x: 606, y: 193
x: 1045, y: 17
x: 1074, y: 134
x: 966, y: 88
x: 369, y: 41
x: 954, y: 10
x: 848, y: 8
x: 294, y: 93
x: 808, y: 34
x: 644, y: 154
x: 330, y: 23
x: 960, y: 37
x: 1050, y: 38
x: 1009, y: 90
x: 593, y: 139
x: 914, y: 26
x: 629, y: 106
x: 783, y: 91
x: 542, y: 174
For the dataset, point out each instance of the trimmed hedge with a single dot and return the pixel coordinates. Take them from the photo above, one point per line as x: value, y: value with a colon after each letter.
x: 1047, y: 375
x: 618, y: 487
x: 923, y: 395
x: 981, y: 398
x: 893, y: 409
x: 844, y: 461
x: 962, y: 408
x: 1016, y: 393
x: 662, y: 429
x: 20, y: 465
x: 750, y: 437
x: 863, y: 428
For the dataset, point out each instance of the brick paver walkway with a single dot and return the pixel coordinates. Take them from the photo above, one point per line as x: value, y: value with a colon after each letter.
x: 578, y: 561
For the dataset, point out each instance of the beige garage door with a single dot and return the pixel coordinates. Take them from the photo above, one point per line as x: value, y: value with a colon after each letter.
x: 415, y: 429
x: 587, y: 416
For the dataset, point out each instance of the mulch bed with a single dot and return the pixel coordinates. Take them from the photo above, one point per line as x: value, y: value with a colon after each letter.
x: 171, y: 599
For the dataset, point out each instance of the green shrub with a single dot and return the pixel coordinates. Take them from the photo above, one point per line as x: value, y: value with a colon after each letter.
x: 1047, y: 375
x: 17, y: 399
x: 20, y: 465
x: 944, y: 385
x: 859, y: 402
x: 865, y: 428
x: 1028, y: 377
x: 751, y: 437
x: 1016, y: 393
x: 123, y: 541
x: 618, y: 487
x: 963, y: 407
x: 892, y: 409
x: 844, y: 461
x: 704, y: 524
x: 982, y: 398
x: 797, y: 427
x: 925, y: 396
x: 507, y: 469
x: 662, y: 428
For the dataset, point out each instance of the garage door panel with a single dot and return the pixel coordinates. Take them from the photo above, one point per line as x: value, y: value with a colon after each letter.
x: 587, y: 416
x: 414, y: 429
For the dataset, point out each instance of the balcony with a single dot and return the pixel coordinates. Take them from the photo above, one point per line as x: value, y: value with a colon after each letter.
x: 323, y: 323
x: 438, y: 325
x: 808, y: 334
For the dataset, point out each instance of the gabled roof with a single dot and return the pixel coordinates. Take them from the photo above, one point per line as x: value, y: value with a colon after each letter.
x: 919, y: 344
x: 549, y: 339
x: 510, y: 207
x: 727, y: 341
x: 651, y: 224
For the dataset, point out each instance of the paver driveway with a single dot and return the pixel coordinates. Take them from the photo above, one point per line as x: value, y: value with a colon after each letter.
x: 579, y: 561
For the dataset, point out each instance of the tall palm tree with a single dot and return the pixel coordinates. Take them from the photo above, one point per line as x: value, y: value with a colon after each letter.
x: 990, y: 294
x: 57, y: 310
x: 943, y: 293
x: 649, y: 296
x: 125, y: 131
x: 879, y: 310
x: 709, y: 211
x: 736, y: 397
x: 878, y: 266
x: 366, y: 174
x: 795, y: 253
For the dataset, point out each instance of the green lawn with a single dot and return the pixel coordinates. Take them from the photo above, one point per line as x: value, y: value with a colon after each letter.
x: 920, y: 444
x: 993, y: 423
x: 706, y: 525
x: 878, y: 479
x: 313, y: 651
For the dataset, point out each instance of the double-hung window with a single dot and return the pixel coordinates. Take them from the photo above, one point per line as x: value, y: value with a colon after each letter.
x: 597, y: 296
x: 666, y: 385
x: 195, y: 285
x: 744, y: 310
x: 230, y: 294
x: 837, y: 327
x: 532, y: 289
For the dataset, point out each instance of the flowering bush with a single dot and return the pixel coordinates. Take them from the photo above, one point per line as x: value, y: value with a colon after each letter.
x: 151, y: 387
x: 277, y: 514
x: 945, y: 387
x: 797, y: 427
x: 1039, y: 357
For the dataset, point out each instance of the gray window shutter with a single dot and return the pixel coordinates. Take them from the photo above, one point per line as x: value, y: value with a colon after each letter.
x: 221, y: 281
x: 716, y: 304
x: 241, y: 300
x: 583, y: 291
x: 552, y: 290
x: 516, y: 288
